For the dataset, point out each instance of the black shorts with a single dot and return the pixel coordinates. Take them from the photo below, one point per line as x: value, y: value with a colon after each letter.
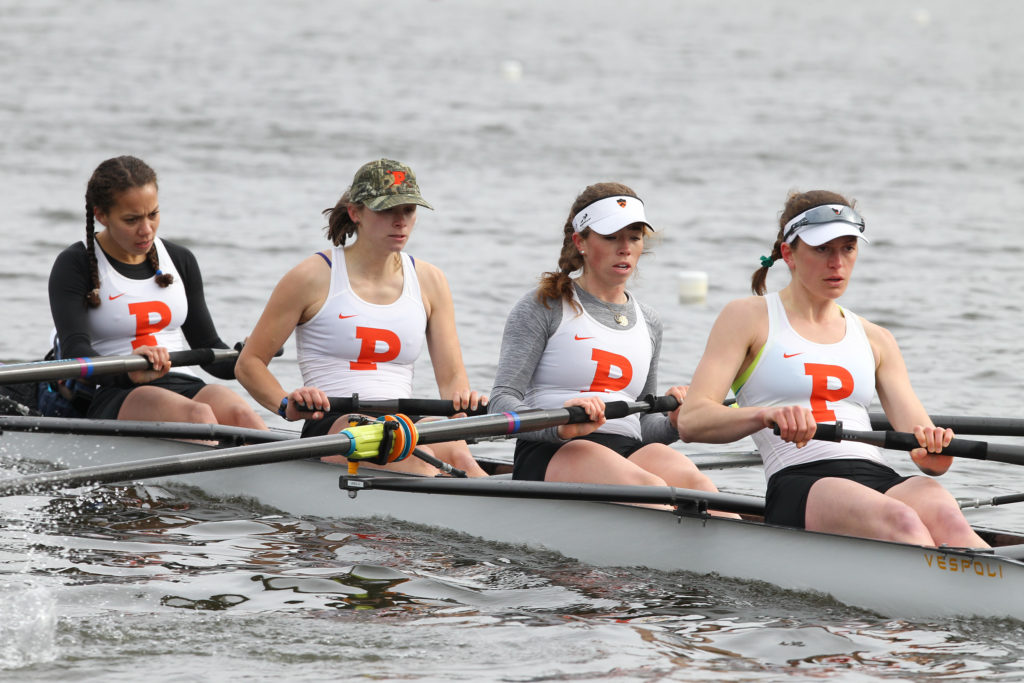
x: 106, y: 402
x: 532, y: 457
x: 785, y: 501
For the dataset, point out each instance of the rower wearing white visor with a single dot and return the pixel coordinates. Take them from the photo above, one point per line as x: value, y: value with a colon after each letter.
x: 796, y: 358
x: 585, y: 340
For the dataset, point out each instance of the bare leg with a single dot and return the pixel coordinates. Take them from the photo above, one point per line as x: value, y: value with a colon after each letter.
x: 156, y: 403
x: 845, y: 507
x: 591, y: 463
x: 939, y: 512
x: 229, y: 408
x: 675, y: 469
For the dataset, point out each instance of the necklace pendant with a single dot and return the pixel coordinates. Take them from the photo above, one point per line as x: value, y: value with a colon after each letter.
x: 621, y: 320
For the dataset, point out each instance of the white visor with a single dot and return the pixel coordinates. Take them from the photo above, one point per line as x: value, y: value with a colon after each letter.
x: 815, y: 226
x: 611, y: 214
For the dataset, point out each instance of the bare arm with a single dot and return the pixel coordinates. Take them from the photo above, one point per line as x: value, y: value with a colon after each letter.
x: 443, y: 339
x: 901, y: 404
x: 736, y: 337
x: 296, y: 298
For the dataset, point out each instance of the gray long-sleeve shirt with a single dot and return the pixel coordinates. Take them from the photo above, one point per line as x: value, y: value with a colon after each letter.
x: 527, y: 329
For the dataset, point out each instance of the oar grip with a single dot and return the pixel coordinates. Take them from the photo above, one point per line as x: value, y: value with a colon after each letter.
x: 661, y: 404
x: 192, y: 357
x: 408, y: 406
x: 822, y: 432
x: 961, y: 448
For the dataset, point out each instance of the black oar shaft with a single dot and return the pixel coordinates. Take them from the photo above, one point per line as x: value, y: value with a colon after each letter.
x: 964, y: 424
x: 550, y: 490
x: 78, y: 368
x: 903, y: 441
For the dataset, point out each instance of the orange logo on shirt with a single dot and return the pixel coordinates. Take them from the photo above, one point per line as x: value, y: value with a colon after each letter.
x: 821, y: 395
x: 369, y: 356
x: 603, y: 379
x: 145, y: 325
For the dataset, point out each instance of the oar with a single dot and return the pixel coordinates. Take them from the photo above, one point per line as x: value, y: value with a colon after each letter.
x: 996, y: 500
x: 504, y: 424
x: 965, y: 424
x: 407, y: 406
x: 904, y: 441
x: 699, y: 501
x: 74, y: 368
x: 166, y: 430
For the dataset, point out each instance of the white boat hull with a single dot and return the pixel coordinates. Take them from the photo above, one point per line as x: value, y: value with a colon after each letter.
x: 893, y: 579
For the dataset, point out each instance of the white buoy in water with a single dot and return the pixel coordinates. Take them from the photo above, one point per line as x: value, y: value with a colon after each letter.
x: 512, y: 70
x: 693, y: 286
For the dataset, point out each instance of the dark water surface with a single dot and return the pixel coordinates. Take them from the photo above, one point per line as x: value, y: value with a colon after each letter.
x: 256, y: 114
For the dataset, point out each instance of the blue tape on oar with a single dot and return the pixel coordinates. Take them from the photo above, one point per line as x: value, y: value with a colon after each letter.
x: 87, y: 367
x: 513, y: 422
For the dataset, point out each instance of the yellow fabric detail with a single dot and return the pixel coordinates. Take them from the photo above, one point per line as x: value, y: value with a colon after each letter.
x: 742, y: 379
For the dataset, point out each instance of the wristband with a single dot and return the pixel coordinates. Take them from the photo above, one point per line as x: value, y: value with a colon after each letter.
x: 282, y: 409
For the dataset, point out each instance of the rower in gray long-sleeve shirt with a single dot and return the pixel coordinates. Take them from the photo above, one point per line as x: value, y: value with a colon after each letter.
x: 583, y: 341
x: 529, y: 326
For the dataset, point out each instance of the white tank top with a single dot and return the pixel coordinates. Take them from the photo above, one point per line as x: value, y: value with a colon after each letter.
x: 585, y: 358
x: 353, y: 346
x: 134, y: 313
x: 836, y: 381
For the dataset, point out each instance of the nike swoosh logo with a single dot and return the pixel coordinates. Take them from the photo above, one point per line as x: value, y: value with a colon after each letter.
x: 579, y: 338
x: 115, y: 296
x: 790, y: 355
x: 347, y: 316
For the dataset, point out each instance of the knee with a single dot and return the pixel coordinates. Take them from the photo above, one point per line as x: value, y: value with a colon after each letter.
x: 948, y: 517
x: 903, y: 520
x: 200, y: 413
x: 242, y: 415
x: 638, y: 476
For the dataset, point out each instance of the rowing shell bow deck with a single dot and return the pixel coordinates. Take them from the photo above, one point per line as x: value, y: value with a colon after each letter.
x: 577, y: 520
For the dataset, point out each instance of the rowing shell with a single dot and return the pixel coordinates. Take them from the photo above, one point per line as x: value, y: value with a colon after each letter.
x: 893, y: 579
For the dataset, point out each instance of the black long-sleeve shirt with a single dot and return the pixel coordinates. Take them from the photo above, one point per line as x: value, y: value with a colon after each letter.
x: 70, y: 281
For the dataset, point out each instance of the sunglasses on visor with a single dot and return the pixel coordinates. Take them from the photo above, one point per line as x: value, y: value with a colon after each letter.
x: 825, y: 214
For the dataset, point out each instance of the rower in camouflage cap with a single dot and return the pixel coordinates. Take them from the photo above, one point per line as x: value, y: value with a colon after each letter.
x: 383, y: 184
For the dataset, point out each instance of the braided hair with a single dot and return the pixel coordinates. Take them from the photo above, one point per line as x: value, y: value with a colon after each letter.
x: 796, y: 204
x: 557, y: 284
x: 111, y: 178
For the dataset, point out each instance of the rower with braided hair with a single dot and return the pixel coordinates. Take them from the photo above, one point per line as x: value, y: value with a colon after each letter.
x: 124, y: 290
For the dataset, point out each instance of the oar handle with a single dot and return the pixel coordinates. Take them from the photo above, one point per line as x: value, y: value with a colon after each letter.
x: 900, y: 441
x: 406, y: 406
x: 903, y: 441
x: 199, y: 356
x: 429, y: 406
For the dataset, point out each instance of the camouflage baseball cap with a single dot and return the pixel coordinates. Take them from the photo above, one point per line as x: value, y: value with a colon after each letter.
x: 383, y: 184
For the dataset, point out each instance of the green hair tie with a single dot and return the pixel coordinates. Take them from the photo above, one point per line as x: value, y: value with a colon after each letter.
x: 767, y: 261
